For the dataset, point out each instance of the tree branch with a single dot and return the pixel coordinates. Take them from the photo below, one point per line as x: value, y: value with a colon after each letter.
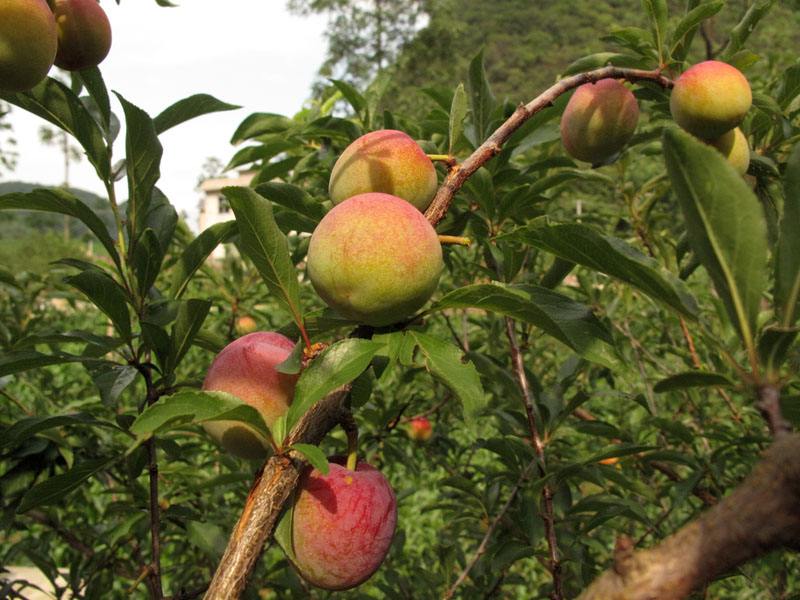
x: 271, y: 489
x: 761, y: 515
x: 494, y: 143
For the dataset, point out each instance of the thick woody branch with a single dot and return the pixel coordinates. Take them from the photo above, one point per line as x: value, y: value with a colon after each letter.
x: 268, y: 495
x: 761, y: 515
x: 494, y: 143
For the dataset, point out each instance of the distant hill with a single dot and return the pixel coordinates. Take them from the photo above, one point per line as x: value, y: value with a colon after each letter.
x: 18, y: 224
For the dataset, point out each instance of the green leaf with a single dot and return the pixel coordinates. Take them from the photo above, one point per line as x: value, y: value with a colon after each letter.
x: 209, y: 537
x: 657, y: 11
x: 314, y: 455
x: 112, y: 379
x: 147, y: 257
x: 198, y: 251
x: 30, y: 426
x: 789, y: 87
x: 54, y: 490
x: 691, y: 379
x: 684, y: 30
x: 195, y: 406
x: 570, y: 322
x: 338, y: 364
x: 16, y: 362
x: 774, y: 345
x: 725, y: 225
x: 259, y: 124
x: 56, y: 103
x: 352, y: 96
x: 742, y: 30
x: 264, y: 243
x: 143, y: 159
x: 92, y: 79
x: 107, y: 295
x: 585, y: 246
x: 189, y: 108
x: 787, y: 261
x: 481, y: 100
x: 458, y: 111
x: 444, y: 360
x: 602, y: 59
x: 191, y: 315
x: 62, y: 202
x: 292, y: 197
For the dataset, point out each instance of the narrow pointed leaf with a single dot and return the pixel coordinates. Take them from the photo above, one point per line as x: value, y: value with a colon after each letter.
x: 481, y: 99
x: 725, y: 225
x: 62, y: 202
x: 189, y: 108
x: 143, y: 162
x: 692, y: 379
x: 24, y: 360
x: 264, y: 243
x: 107, y: 295
x: 314, y: 455
x: 30, y: 426
x: 585, y: 246
x: 191, y: 315
x: 446, y: 362
x: 92, y: 79
x: 195, y: 406
x: 56, y: 103
x: 338, y: 365
x: 198, y: 251
x: 686, y: 27
x: 570, y: 322
x: 458, y: 111
x: 56, y: 488
x: 787, y: 262
x: 745, y: 27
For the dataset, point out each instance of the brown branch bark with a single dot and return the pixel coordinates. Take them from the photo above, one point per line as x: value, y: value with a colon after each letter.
x: 494, y: 143
x: 761, y: 515
x: 268, y: 495
x: 769, y: 403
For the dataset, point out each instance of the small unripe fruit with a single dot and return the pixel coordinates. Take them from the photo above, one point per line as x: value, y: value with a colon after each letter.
x: 710, y: 98
x: 245, y: 324
x: 375, y: 259
x: 420, y: 429
x: 84, y: 34
x: 342, y: 526
x: 735, y: 149
x: 28, y: 41
x: 598, y: 121
x: 385, y: 161
x: 245, y: 368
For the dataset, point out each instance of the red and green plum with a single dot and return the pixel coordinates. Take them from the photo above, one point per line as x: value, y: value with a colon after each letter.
x: 343, y: 525
x: 28, y: 42
x: 710, y: 98
x: 375, y: 259
x: 599, y: 120
x: 387, y: 161
x: 84, y: 34
x: 245, y: 368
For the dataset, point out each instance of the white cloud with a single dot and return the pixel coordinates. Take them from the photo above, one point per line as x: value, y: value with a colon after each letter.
x: 246, y: 52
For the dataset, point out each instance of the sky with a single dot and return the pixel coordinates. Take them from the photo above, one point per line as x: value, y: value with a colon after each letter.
x: 251, y: 53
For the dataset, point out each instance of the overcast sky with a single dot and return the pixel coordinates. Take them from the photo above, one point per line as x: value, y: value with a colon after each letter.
x: 246, y: 52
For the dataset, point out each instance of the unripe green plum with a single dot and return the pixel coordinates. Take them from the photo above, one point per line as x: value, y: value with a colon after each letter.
x: 375, y: 259
x: 84, y: 34
x: 598, y: 121
x: 245, y: 368
x: 735, y: 149
x: 385, y: 161
x: 710, y: 98
x: 342, y: 525
x: 28, y: 41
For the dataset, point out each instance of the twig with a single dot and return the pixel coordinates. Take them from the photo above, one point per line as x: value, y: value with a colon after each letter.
x: 769, y: 403
x: 490, y: 531
x: 761, y: 515
x: 548, y: 517
x: 493, y: 145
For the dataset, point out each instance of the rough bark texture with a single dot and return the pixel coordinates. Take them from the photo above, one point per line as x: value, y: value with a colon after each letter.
x: 270, y: 491
x: 762, y: 514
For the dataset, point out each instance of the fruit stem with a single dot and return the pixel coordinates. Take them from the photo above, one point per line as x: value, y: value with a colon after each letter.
x: 351, y: 429
x: 447, y: 158
x: 455, y: 239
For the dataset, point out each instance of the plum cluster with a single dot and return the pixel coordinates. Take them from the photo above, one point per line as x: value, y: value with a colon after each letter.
x: 72, y: 34
x: 709, y: 100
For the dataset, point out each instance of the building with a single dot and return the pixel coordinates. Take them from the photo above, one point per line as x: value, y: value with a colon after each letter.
x: 213, y: 206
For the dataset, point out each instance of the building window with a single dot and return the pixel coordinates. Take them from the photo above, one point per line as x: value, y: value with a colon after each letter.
x: 224, y: 205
